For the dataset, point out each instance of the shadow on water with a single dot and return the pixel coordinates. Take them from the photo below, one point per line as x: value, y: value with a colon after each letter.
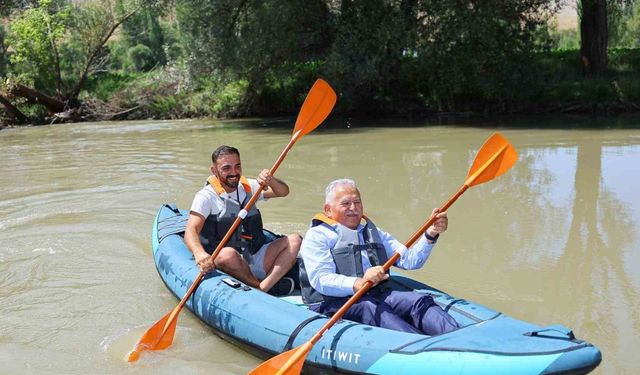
x: 284, y: 125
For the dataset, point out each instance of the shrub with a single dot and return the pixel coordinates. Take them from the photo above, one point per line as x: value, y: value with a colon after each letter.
x: 140, y: 58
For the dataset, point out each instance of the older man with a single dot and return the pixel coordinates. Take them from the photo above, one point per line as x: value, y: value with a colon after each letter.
x: 339, y: 254
x: 248, y: 255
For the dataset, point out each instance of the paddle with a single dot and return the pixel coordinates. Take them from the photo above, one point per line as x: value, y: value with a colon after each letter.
x: 495, y: 157
x: 315, y: 109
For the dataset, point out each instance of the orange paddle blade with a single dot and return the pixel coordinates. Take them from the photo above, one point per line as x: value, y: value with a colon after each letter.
x: 316, y: 107
x: 157, y: 337
x: 495, y: 157
x: 287, y: 363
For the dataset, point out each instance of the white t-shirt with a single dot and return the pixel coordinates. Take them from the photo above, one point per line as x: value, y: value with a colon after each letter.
x: 207, y: 202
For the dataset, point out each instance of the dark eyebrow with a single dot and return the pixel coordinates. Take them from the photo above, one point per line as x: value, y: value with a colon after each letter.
x: 230, y: 165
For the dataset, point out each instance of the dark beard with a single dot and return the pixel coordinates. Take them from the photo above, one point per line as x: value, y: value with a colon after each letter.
x: 232, y: 184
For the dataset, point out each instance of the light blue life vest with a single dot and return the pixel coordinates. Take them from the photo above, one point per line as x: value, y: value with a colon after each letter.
x: 347, y: 254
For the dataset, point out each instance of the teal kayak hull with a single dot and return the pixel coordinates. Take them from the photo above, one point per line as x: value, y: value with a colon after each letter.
x: 488, y: 341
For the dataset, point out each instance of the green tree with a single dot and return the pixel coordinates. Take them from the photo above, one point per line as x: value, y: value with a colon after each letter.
x: 373, y: 39
x: 35, y: 37
x: 442, y: 53
x: 623, y: 19
x: 253, y: 40
x: 4, y: 58
x: 479, y: 54
x: 59, y: 44
x: 633, y: 29
x: 7, y: 6
x: 141, y: 57
x: 143, y: 30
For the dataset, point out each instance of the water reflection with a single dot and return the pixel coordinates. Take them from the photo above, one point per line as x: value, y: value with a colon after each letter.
x: 573, y: 234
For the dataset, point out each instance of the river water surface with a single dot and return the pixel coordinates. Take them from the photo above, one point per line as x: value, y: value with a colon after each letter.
x: 555, y: 240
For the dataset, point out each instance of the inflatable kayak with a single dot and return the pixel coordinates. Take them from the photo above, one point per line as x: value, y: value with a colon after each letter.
x: 488, y: 341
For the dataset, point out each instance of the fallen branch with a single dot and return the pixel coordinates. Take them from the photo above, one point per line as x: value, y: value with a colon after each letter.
x: 72, y: 114
x: 13, y: 111
x: 122, y: 114
x: 34, y: 96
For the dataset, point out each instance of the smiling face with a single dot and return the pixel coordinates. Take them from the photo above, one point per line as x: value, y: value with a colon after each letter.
x: 228, y: 170
x: 345, y: 206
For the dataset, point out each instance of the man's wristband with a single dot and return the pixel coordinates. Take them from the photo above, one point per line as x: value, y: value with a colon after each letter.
x: 432, y: 239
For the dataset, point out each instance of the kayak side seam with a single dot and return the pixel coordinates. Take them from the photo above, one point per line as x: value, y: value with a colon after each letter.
x: 492, y: 352
x: 446, y: 306
x: 574, y: 371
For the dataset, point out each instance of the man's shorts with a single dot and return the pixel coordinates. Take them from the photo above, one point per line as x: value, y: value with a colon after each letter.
x: 256, y: 262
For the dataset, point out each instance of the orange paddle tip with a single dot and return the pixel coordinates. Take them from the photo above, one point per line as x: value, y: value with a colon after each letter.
x: 158, y: 337
x: 133, y: 356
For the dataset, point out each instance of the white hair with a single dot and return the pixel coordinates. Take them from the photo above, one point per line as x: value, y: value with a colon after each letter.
x: 329, y: 193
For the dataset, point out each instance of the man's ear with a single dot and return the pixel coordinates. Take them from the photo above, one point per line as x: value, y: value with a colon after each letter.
x: 327, y: 210
x: 213, y: 170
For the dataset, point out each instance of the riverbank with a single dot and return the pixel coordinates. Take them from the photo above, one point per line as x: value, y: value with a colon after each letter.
x: 552, y: 83
x: 586, y: 110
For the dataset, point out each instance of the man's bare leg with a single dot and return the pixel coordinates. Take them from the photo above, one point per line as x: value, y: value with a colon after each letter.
x: 279, y: 258
x: 231, y: 262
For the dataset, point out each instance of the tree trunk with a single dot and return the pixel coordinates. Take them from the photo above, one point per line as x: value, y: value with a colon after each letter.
x: 14, y: 112
x: 35, y: 96
x: 56, y: 61
x: 594, y: 35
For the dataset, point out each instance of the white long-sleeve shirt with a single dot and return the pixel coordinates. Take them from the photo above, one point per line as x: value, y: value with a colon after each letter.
x: 321, y: 270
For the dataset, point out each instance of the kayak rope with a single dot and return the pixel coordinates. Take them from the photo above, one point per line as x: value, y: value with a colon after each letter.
x: 568, y: 333
x: 299, y: 328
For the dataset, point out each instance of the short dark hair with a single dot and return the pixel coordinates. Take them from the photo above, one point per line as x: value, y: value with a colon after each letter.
x: 224, y: 150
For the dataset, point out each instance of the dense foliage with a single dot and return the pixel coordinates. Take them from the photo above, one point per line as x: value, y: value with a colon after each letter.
x: 106, y: 59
